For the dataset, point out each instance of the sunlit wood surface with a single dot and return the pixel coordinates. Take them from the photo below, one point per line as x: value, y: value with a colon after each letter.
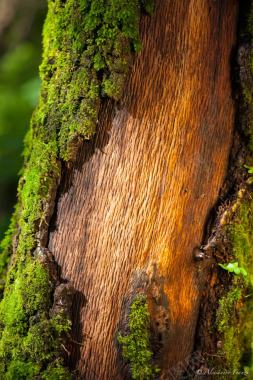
x: 138, y: 199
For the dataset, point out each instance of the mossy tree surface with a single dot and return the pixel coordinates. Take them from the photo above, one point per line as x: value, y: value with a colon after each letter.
x: 234, y: 315
x: 87, y: 53
x: 136, y: 347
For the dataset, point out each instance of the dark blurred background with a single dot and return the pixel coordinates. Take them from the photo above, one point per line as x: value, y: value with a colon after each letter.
x: 21, y: 24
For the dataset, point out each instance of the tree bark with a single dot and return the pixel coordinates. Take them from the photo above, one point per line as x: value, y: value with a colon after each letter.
x: 133, y: 207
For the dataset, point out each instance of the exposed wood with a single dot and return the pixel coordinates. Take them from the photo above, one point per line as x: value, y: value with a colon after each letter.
x: 141, y: 192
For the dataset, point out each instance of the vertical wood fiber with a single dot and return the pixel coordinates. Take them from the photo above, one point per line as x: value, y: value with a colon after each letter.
x: 139, y: 196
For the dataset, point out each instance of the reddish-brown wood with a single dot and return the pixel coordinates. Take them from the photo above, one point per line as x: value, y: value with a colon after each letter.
x: 140, y: 193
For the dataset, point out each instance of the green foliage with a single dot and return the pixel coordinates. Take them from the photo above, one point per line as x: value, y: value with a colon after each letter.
x: 249, y: 168
x: 136, y: 345
x: 56, y: 372
x: 22, y: 371
x: 234, y: 268
x: 17, y: 69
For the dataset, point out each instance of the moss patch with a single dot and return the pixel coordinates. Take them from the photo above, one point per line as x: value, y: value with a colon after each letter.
x: 6, y: 249
x: 242, y: 240
x: 87, y: 53
x: 234, y: 315
x: 136, y: 345
x: 29, y: 338
x: 227, y: 321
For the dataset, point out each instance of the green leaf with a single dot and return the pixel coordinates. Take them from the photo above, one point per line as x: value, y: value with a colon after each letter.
x: 244, y: 272
x: 250, y: 169
x: 234, y: 268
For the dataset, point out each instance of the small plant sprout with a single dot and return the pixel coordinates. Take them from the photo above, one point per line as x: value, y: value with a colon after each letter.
x: 249, y: 168
x: 234, y: 268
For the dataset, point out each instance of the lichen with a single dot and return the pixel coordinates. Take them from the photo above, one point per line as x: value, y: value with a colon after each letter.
x: 136, y: 348
x: 87, y: 49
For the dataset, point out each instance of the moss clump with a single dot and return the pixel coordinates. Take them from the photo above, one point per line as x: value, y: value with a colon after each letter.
x: 239, y: 327
x: 234, y: 315
x: 246, y: 82
x: 241, y: 233
x: 6, y: 249
x: 148, y: 6
x: 30, y: 339
x: 136, y: 345
x: 227, y: 318
x: 87, y: 52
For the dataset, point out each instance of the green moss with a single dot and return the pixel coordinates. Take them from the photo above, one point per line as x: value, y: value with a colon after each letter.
x: 136, y: 345
x: 29, y: 338
x: 148, y: 6
x: 87, y: 47
x: 87, y: 51
x: 21, y: 370
x: 55, y: 372
x: 241, y: 233
x: 6, y: 249
x: 227, y: 325
x: 234, y: 316
x: 246, y: 82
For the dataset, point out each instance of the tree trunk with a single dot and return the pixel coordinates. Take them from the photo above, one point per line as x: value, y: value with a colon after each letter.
x: 148, y: 219
x: 135, y: 205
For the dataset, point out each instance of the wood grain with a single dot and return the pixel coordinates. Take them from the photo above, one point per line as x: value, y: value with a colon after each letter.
x: 138, y: 198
